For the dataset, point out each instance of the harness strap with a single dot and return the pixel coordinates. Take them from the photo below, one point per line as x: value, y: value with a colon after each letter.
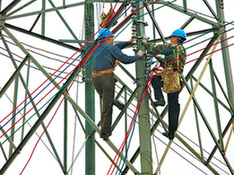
x: 97, y: 73
x: 177, y: 57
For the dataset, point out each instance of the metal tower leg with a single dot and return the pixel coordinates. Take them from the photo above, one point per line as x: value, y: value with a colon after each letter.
x: 225, y: 53
x: 144, y: 121
x: 89, y: 96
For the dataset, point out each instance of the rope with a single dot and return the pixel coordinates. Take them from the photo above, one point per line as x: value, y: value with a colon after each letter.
x: 41, y: 136
x: 119, y: 152
x: 46, y: 67
x: 37, y: 52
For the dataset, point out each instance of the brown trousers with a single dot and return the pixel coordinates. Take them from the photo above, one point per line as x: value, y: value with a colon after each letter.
x: 105, y: 86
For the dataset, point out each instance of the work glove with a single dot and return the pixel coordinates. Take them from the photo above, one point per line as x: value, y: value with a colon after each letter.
x: 133, y: 41
x: 140, y: 53
x: 158, y: 57
x: 145, y: 39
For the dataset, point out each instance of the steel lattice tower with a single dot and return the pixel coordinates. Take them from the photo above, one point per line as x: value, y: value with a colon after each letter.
x: 37, y: 96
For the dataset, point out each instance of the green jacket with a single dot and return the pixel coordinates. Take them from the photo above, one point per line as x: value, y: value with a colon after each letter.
x: 170, y: 52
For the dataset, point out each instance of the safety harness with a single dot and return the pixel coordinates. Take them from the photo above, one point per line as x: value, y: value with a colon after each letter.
x: 97, y: 73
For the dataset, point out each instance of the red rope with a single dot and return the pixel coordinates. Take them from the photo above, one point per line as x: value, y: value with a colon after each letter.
x: 45, y: 129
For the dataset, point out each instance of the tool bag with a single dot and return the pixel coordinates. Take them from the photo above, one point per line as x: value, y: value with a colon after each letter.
x: 106, y: 17
x: 171, y: 79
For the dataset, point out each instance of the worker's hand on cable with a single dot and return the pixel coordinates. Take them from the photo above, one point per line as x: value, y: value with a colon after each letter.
x: 145, y: 39
x: 140, y: 53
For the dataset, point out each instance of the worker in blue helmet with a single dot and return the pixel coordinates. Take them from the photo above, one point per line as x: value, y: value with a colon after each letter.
x: 180, y: 34
x: 171, y: 51
x: 103, y: 33
x: 107, y: 56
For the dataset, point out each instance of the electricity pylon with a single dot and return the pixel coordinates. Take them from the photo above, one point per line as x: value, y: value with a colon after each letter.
x: 43, y: 100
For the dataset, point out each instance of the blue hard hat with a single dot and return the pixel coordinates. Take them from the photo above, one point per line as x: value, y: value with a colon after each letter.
x: 103, y: 33
x: 179, y: 33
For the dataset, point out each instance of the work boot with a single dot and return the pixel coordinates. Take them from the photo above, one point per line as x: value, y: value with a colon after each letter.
x: 160, y: 102
x: 169, y: 135
x: 119, y: 104
x: 105, y: 136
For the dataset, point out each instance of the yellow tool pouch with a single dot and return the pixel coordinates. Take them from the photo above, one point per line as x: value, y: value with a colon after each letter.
x: 171, y: 81
x: 105, y: 17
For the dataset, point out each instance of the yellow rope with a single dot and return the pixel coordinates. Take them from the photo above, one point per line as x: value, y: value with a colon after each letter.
x: 229, y: 137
